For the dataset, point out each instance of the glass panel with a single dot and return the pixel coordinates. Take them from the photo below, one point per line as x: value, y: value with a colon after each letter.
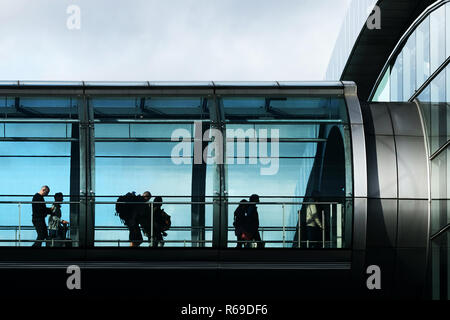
x: 409, y: 67
x: 42, y: 148
x: 447, y: 32
x: 151, y: 107
x: 436, y: 111
x: 39, y: 130
x: 27, y: 166
x: 177, y: 106
x: 6, y: 102
x: 152, y: 166
x: 112, y: 130
x: 382, y: 93
x: 440, y: 190
x: 279, y: 107
x: 397, y: 79
x: 40, y: 107
x: 437, y: 38
x: 423, y: 52
x: 440, y: 267
x: 159, y: 130
x: 114, y: 106
x: 139, y: 149
x: 286, y: 170
x: 439, y: 113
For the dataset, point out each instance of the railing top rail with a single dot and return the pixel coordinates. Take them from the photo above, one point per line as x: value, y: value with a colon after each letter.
x: 170, y: 202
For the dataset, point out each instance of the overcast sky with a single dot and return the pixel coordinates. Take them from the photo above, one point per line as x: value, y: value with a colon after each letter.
x: 138, y: 40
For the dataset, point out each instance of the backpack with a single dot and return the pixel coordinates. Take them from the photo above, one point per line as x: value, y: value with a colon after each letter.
x: 166, y: 220
x: 125, y: 210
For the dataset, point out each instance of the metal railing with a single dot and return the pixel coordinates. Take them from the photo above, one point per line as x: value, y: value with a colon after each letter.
x: 333, y: 215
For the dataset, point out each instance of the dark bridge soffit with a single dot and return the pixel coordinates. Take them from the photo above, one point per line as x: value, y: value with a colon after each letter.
x: 373, y: 47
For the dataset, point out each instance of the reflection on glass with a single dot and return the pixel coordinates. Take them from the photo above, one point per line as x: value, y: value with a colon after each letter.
x: 383, y: 91
x: 437, y: 38
x: 409, y: 67
x: 397, y: 79
x: 423, y: 52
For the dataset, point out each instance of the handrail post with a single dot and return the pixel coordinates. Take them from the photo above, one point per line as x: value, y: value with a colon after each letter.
x: 298, y: 231
x: 339, y: 226
x: 323, y: 229
x: 284, y: 228
x: 151, y: 224
x: 331, y: 225
x: 20, y: 222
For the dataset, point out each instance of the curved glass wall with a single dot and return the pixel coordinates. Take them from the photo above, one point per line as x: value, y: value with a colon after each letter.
x: 201, y: 150
x: 421, y: 54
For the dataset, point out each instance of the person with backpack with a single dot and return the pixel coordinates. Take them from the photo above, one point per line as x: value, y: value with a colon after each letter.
x: 56, y: 226
x: 129, y: 208
x: 240, y: 215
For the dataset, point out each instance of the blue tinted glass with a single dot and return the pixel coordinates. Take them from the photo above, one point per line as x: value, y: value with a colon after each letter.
x: 171, y: 102
x: 397, y: 79
x: 437, y: 38
x: 139, y: 149
x: 53, y: 102
x: 116, y: 176
x: 286, y: 149
x: 423, y: 52
x: 285, y: 108
x: 119, y: 102
x: 6, y: 102
x: 41, y: 106
x: 2, y: 130
x: 27, y: 175
x: 283, y: 130
x: 382, y: 93
x: 112, y: 130
x: 159, y: 130
x: 175, y: 106
x: 409, y: 67
x: 56, y: 130
x: 21, y: 148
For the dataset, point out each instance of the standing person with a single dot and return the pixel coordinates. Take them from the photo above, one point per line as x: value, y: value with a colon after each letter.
x: 130, y: 208
x: 161, y: 223
x: 240, y: 215
x: 313, y: 223
x: 40, y: 211
x: 55, y: 222
x: 252, y: 224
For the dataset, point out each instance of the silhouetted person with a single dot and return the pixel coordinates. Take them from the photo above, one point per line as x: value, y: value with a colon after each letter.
x: 40, y: 211
x: 252, y: 221
x: 56, y: 226
x: 134, y: 219
x: 313, y: 223
x: 240, y: 215
x: 161, y: 223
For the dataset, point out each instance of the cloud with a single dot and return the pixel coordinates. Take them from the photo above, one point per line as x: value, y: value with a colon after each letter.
x: 169, y: 40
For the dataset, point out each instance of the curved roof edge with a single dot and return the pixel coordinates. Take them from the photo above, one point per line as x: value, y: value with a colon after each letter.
x: 373, y: 47
x: 170, y: 84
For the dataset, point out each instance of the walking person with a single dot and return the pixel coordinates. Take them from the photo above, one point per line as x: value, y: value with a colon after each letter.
x: 313, y: 224
x: 40, y: 211
x: 56, y: 226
